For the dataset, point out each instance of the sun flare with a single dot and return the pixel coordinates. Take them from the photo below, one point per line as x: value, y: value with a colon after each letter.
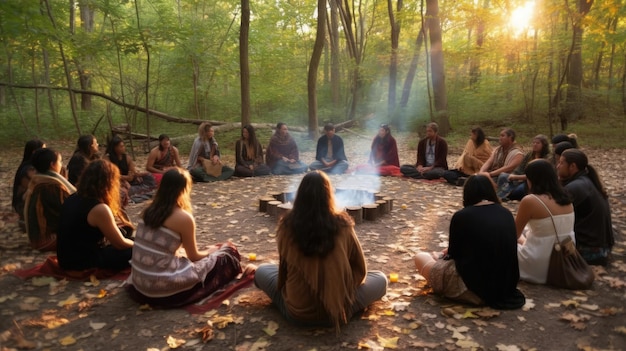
x: 521, y: 18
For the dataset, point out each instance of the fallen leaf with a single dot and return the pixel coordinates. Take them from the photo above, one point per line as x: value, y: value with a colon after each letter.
x: 8, y: 297
x: 96, y: 326
x: 502, y: 347
x: 271, y: 328
x: 389, y: 343
x: 72, y: 299
x: 68, y: 340
x: 42, y: 281
x: 174, y: 343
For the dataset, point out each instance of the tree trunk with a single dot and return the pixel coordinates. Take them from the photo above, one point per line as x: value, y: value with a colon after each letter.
x: 573, y: 108
x: 393, y: 63
x: 66, y: 69
x: 624, y: 88
x: 318, y: 48
x: 410, y: 75
x: 354, y: 41
x: 437, y: 66
x: 243, y: 61
x: 86, y: 18
x: 146, y: 48
x: 474, y: 70
x: 33, y: 70
x: 335, y: 79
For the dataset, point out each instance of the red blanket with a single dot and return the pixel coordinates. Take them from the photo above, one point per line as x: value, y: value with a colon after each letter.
x: 50, y: 268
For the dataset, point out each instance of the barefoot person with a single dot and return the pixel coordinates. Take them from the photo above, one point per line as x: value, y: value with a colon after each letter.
x: 162, y: 277
x: 480, y: 264
x: 322, y: 278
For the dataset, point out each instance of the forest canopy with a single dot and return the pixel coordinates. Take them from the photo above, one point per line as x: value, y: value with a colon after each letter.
x: 76, y: 66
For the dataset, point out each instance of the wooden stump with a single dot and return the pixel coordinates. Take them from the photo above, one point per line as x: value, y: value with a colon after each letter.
x: 383, y: 207
x: 272, y: 207
x: 370, y: 212
x: 278, y: 195
x: 263, y: 203
x: 356, y: 212
x: 282, y: 210
x: 389, y: 202
x: 379, y: 196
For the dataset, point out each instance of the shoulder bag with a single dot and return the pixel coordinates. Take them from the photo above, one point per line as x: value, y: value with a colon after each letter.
x: 567, y: 268
x: 212, y: 169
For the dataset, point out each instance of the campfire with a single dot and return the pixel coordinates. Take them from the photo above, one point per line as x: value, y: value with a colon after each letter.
x: 359, y: 203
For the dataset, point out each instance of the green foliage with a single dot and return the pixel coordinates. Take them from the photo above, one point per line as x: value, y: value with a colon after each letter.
x: 193, y: 48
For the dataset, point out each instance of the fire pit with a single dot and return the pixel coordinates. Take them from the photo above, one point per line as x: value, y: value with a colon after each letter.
x: 360, y: 204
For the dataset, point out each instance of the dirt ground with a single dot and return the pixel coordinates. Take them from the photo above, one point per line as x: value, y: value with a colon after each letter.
x: 46, y: 314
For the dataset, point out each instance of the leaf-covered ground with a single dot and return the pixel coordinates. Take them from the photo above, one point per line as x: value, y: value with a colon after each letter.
x: 47, y: 314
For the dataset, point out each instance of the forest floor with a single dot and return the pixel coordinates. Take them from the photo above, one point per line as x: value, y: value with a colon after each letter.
x: 46, y: 314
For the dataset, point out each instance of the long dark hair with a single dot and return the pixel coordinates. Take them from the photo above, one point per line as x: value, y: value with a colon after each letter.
x: 174, y: 190
x: 30, y: 147
x: 480, y: 136
x: 111, y: 145
x: 543, y: 180
x: 545, y: 145
x: 314, y: 220
x: 251, y: 134
x: 83, y: 145
x: 477, y: 188
x: 385, y: 140
x: 579, y: 158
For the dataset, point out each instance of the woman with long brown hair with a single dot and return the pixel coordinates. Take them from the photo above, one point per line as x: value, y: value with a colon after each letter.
x: 322, y: 279
x: 89, y: 233
x: 160, y: 276
x: 249, y: 155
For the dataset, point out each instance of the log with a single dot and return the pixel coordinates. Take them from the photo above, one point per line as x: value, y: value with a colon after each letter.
x: 356, y: 212
x: 272, y: 207
x: 370, y: 212
x: 389, y: 202
x: 263, y: 203
x: 383, y: 207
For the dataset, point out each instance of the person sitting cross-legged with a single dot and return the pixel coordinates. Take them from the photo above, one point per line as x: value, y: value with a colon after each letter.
x: 593, y: 225
x: 383, y: 160
x: 504, y: 158
x: 330, y: 156
x: 160, y: 275
x: 283, y: 156
x: 432, y: 153
x: 322, y: 278
x: 546, y: 209
x: 162, y: 157
x: 249, y: 155
x: 477, y: 150
x: 46, y: 193
x: 480, y: 264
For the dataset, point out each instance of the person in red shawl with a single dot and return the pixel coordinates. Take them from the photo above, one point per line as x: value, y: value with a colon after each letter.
x: 383, y: 159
